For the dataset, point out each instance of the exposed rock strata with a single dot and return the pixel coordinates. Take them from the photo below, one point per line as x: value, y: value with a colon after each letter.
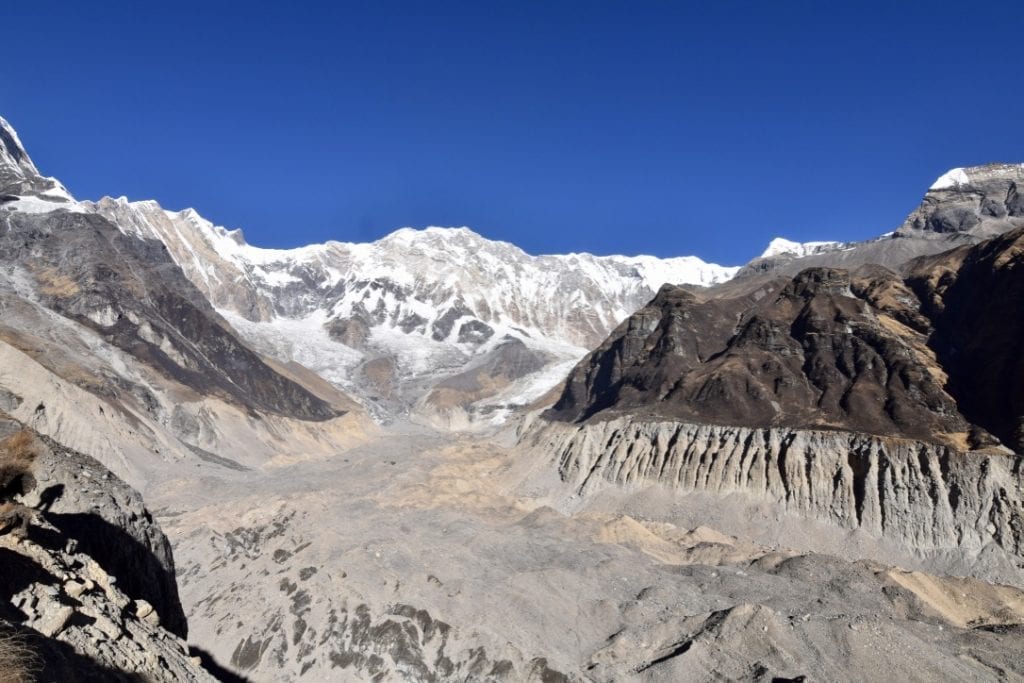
x: 826, y: 349
x: 930, y: 498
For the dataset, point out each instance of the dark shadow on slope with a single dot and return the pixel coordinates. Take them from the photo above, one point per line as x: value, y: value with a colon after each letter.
x: 221, y: 673
x: 17, y: 573
x: 49, y: 496
x: 140, y: 575
x: 215, y: 459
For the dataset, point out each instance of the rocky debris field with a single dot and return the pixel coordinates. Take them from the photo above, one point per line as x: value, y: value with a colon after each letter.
x: 427, y: 557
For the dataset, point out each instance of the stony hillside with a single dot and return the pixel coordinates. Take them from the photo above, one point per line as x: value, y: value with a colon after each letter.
x: 110, y: 349
x: 963, y: 207
x: 88, y: 590
x: 869, y: 400
x: 867, y: 351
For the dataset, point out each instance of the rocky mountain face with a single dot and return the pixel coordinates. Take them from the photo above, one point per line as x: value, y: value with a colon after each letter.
x: 411, y: 322
x: 131, y: 293
x: 89, y: 591
x: 972, y: 298
x: 981, y: 201
x: 867, y: 351
x: 110, y: 349
x: 827, y: 349
x: 867, y: 399
x: 963, y: 207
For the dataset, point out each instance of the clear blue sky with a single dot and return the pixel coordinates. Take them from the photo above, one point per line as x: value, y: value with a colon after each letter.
x: 666, y: 127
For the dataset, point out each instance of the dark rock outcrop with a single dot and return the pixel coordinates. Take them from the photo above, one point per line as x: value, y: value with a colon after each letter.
x: 826, y: 350
x: 107, y: 518
x: 932, y: 356
x: 974, y: 299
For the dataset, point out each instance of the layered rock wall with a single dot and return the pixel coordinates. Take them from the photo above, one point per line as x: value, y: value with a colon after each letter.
x: 927, y: 497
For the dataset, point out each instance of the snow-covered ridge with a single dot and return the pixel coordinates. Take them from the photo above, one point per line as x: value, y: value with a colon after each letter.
x: 965, y: 176
x: 655, y: 271
x: 781, y: 246
x: 397, y: 320
x: 415, y: 307
x: 504, y: 280
x: 18, y: 175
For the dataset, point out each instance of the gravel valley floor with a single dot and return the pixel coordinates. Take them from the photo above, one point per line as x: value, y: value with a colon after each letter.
x: 416, y: 557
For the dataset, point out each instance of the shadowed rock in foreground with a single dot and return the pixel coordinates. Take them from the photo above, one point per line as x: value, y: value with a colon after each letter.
x: 87, y: 590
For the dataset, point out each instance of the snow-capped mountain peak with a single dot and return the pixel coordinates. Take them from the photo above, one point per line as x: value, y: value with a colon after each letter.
x: 439, y: 321
x: 783, y: 247
x: 959, y: 177
x: 20, y: 180
x: 397, y: 320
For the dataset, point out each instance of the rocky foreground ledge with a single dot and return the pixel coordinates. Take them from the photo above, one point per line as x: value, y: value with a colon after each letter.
x: 87, y: 589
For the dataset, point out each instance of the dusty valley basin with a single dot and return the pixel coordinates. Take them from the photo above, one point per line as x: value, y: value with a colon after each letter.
x: 429, y: 556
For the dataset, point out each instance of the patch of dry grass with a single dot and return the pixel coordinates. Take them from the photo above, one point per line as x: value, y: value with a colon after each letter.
x: 18, y: 662
x: 18, y: 454
x: 52, y: 283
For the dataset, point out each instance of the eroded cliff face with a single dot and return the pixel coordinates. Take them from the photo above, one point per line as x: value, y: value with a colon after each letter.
x: 930, y: 499
x: 883, y: 402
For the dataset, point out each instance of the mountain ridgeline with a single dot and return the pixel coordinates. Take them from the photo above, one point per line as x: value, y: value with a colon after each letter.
x: 921, y: 352
x: 882, y: 399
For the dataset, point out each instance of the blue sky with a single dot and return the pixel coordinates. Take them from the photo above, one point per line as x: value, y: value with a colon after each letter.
x: 634, y: 127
